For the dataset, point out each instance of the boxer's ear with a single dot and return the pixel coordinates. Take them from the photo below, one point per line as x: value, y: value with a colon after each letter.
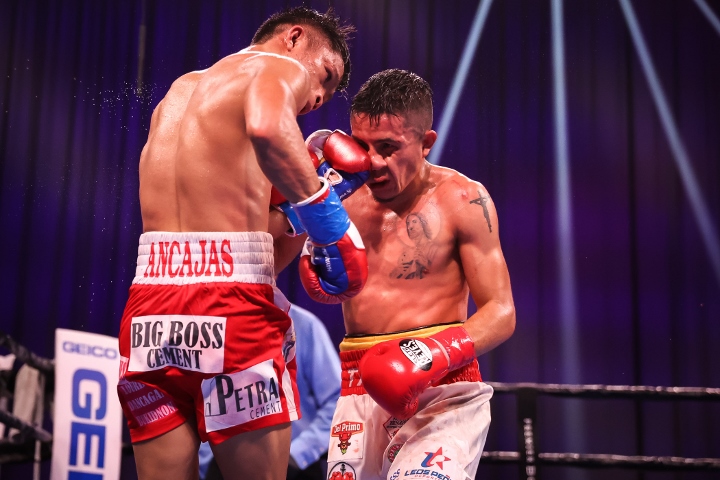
x: 428, y: 140
x: 292, y: 35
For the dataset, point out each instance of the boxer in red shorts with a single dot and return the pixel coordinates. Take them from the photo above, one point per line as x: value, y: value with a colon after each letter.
x: 206, y: 344
x: 216, y: 347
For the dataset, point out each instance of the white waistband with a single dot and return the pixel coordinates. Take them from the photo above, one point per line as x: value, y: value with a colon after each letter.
x: 181, y: 258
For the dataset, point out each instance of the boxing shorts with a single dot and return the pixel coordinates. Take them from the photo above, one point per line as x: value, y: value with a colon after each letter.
x: 206, y: 338
x: 443, y: 440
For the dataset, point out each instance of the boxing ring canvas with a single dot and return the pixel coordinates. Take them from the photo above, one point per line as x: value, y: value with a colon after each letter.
x: 594, y: 125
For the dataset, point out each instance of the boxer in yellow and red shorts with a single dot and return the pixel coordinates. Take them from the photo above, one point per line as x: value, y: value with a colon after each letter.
x: 412, y: 404
x: 370, y: 443
x: 206, y: 335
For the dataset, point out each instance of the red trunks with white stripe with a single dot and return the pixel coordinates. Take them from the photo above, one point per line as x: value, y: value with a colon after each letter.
x: 205, y: 337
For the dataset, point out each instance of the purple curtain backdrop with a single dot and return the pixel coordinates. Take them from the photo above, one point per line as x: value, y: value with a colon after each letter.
x: 73, y: 122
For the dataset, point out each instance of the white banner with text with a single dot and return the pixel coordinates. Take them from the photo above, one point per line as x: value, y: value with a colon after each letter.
x: 87, y: 430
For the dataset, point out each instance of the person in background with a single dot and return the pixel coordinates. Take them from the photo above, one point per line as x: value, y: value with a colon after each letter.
x: 318, y: 381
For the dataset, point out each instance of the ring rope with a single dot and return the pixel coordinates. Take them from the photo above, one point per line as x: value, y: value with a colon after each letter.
x: 529, y: 390
x: 617, y: 391
x: 45, y: 365
x: 609, y: 460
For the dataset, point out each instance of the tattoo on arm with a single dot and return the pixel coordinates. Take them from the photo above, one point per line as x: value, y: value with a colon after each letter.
x: 483, y: 202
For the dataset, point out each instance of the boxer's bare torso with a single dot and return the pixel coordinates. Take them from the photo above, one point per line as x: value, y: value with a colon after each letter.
x: 431, y: 238
x: 416, y: 278
x: 199, y: 170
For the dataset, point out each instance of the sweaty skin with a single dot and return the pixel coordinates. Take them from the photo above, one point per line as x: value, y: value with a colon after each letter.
x: 222, y: 135
x: 217, y: 141
x: 429, y: 242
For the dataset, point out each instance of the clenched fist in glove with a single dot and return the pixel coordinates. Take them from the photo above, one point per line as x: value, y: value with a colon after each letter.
x: 395, y: 373
x: 340, y: 159
x: 333, y: 266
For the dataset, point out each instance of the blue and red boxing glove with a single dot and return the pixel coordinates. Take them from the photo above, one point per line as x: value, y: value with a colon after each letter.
x: 279, y: 202
x: 333, y: 266
x: 340, y: 160
x: 395, y: 373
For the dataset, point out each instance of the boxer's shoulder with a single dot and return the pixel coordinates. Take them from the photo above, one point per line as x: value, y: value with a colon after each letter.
x: 259, y: 61
x: 455, y: 192
x: 453, y: 185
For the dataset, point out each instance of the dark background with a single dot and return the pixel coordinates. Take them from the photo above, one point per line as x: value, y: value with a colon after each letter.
x: 72, y: 125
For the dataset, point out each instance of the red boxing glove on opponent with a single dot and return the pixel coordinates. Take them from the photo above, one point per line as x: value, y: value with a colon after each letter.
x: 396, y: 372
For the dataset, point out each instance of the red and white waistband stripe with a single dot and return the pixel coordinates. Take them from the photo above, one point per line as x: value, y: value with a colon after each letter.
x: 181, y: 258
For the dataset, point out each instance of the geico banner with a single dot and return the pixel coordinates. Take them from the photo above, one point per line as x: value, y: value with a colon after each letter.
x: 87, y: 433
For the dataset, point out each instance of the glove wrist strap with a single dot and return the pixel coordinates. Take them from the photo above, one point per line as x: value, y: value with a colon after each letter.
x: 317, y: 196
x: 458, y: 346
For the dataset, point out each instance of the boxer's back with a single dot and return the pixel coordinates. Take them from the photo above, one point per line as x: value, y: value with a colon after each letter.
x: 198, y: 170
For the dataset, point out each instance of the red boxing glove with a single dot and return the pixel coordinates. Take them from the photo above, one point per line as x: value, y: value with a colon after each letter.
x: 340, y: 159
x: 396, y: 372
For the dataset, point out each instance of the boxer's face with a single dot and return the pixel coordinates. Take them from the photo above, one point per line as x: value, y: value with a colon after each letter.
x: 325, y: 68
x: 397, y: 148
x: 325, y: 71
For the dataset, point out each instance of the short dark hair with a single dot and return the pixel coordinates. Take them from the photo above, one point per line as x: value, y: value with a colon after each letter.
x: 394, y: 92
x: 326, y: 23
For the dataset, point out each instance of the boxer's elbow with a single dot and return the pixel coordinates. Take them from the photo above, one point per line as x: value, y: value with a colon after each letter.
x: 500, y: 328
x: 261, y: 133
x: 506, y: 314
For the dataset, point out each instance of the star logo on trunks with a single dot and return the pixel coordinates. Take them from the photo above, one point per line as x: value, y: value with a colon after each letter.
x: 342, y: 471
x: 344, y: 431
x: 435, y: 458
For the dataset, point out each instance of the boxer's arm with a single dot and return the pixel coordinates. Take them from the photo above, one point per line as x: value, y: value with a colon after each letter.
x: 339, y: 159
x: 485, y: 269
x: 393, y: 372
x: 272, y: 102
x: 286, y: 249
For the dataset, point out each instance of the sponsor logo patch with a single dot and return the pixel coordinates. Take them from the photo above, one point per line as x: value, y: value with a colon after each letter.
x: 342, y: 471
x: 393, y: 425
x: 434, y: 458
x: 190, y: 342
x: 240, y: 397
x: 417, y: 352
x: 344, y: 431
x: 425, y: 473
x: 393, y: 451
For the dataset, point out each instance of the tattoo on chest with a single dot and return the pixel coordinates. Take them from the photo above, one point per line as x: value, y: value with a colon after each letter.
x: 415, y: 261
x: 482, y: 201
